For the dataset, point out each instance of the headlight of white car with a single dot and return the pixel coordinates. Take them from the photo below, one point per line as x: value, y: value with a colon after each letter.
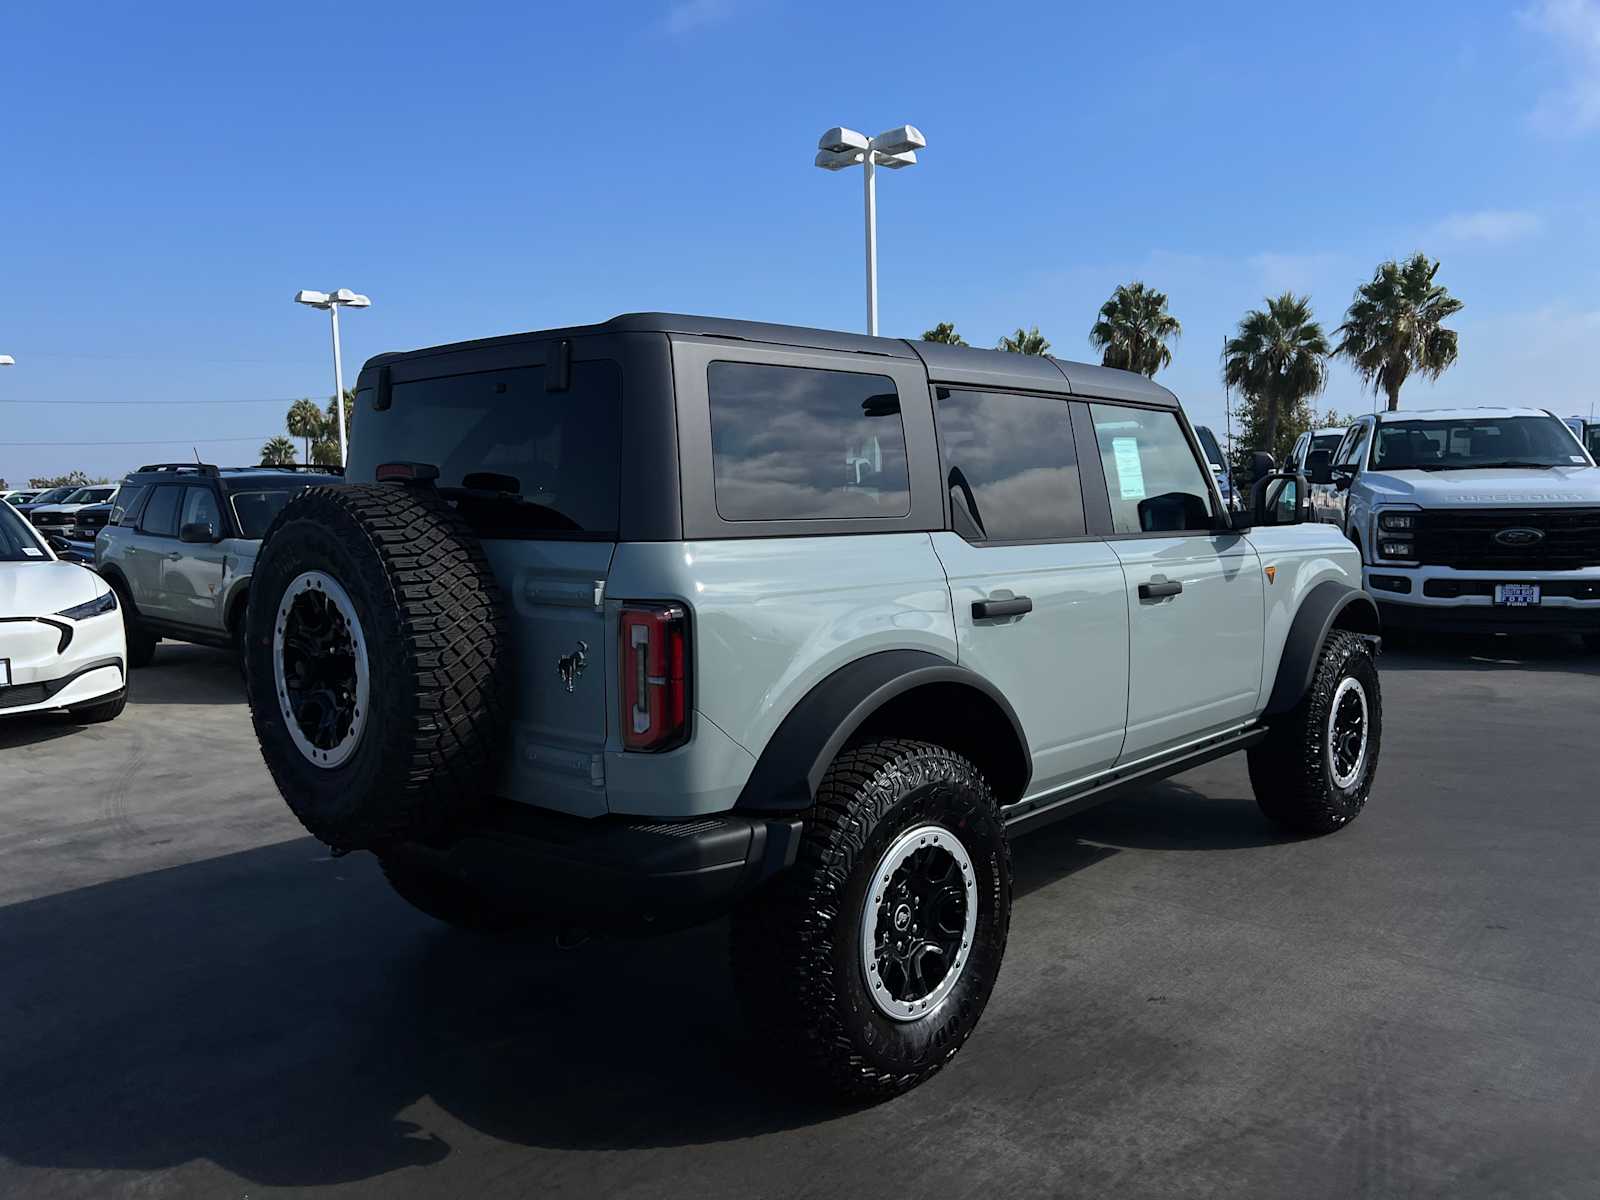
x: 92, y: 608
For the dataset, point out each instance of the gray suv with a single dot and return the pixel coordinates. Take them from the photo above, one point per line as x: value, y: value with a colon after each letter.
x: 640, y: 623
x: 179, y: 546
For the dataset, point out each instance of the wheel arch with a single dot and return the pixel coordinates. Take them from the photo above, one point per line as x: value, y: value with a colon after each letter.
x: 909, y: 693
x: 113, y: 575
x: 1331, y: 604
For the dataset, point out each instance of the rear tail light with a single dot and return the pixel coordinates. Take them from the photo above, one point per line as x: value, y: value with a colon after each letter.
x: 654, y: 668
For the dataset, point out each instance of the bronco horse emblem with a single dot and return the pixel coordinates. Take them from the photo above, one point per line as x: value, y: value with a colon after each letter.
x: 570, y: 666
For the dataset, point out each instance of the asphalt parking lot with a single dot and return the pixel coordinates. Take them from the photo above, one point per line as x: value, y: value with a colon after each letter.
x: 196, y: 1000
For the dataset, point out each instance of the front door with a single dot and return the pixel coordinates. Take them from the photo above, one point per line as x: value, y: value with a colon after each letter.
x: 1039, y: 605
x: 1194, y: 594
x: 192, y: 581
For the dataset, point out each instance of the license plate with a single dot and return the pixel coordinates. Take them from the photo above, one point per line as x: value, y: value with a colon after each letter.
x: 1516, y: 595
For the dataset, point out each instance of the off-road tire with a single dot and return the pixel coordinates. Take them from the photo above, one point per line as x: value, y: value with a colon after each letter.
x: 454, y: 901
x: 1591, y: 642
x: 796, y: 945
x: 1292, y: 772
x: 434, y: 623
x: 141, y: 642
x: 100, y: 710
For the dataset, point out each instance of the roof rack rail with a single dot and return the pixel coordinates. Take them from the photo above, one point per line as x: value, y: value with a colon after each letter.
x: 180, y: 467
x: 319, y: 468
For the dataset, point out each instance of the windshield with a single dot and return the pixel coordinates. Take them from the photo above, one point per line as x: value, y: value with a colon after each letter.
x: 16, y: 543
x: 54, y: 495
x: 1325, y: 441
x: 1474, y: 442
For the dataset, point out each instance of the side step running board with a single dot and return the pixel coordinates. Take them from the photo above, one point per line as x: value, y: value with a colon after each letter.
x: 1028, y: 815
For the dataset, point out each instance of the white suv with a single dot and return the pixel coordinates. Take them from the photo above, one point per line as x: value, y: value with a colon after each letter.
x: 1479, y: 519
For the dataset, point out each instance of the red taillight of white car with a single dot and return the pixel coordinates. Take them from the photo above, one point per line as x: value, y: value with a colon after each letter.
x: 654, y: 668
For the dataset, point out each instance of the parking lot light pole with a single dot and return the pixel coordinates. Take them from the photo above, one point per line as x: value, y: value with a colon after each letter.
x: 894, y: 148
x: 333, y: 302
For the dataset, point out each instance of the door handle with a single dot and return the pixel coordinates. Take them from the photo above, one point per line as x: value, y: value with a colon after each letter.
x: 174, y: 556
x: 1155, y: 591
x: 984, y: 610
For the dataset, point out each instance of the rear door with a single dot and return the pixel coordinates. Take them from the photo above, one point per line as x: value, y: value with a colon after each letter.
x: 530, y: 457
x: 1194, y: 596
x: 149, y: 546
x: 1039, y: 604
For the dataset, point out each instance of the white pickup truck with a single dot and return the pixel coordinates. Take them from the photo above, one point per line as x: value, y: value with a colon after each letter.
x: 1477, y: 519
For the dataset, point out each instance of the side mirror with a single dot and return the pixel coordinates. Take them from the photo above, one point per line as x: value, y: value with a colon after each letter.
x: 1261, y: 465
x: 57, y: 543
x: 1319, y: 466
x: 1343, y: 477
x: 198, y: 531
x: 1280, y: 499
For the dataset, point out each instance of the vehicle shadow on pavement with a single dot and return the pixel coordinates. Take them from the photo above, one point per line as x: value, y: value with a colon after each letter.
x: 31, y: 730
x: 185, y: 674
x: 282, y: 1014
x: 1512, y: 652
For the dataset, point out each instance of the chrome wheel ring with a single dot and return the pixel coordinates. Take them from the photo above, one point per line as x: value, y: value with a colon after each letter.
x: 918, y: 921
x: 1349, y: 723
x: 319, y: 669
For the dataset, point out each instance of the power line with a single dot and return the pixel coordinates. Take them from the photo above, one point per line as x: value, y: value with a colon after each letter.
x: 142, y: 403
x: 173, y: 441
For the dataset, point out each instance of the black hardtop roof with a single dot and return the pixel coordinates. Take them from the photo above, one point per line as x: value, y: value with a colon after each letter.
x: 946, y: 364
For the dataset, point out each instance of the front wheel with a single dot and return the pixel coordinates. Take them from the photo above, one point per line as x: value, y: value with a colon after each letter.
x: 870, y: 961
x: 1314, y: 771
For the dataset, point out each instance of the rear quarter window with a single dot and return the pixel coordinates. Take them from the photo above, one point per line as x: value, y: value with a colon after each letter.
x: 796, y: 443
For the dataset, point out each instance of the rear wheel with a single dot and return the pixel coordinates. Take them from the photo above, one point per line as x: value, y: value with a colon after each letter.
x: 870, y: 961
x: 375, y: 653
x: 1315, y: 770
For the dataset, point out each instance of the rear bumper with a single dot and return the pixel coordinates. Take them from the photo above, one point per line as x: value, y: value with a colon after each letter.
x: 625, y: 871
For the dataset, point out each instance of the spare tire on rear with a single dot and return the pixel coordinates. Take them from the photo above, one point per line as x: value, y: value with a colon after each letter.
x: 375, y: 645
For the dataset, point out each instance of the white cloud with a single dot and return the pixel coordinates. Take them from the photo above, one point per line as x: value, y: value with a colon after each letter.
x: 1488, y: 225
x: 1575, y: 25
x: 1291, y: 272
x: 685, y: 16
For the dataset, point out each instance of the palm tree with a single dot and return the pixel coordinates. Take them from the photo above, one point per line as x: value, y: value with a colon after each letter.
x: 278, y: 452
x: 306, y: 421
x: 944, y: 331
x: 1278, y: 358
x: 1024, y: 341
x: 1394, y: 326
x: 1134, y: 329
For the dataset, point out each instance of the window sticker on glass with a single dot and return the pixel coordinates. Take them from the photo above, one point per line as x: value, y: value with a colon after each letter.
x: 1130, y: 472
x: 33, y: 552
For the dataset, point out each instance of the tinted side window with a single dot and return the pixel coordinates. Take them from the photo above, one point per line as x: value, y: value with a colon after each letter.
x: 200, y: 507
x: 126, y: 506
x: 1154, y: 479
x: 1354, y: 445
x: 1010, y: 464
x: 161, y: 513
x: 788, y: 443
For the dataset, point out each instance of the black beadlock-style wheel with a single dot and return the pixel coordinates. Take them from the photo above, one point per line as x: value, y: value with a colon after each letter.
x: 870, y: 961
x: 1315, y: 770
x: 374, y: 652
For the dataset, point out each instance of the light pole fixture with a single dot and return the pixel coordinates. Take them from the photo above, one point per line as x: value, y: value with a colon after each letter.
x: 895, y: 148
x: 333, y: 302
x: 7, y: 361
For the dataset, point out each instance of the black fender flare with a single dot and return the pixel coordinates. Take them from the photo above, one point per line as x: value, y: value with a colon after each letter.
x: 791, y: 765
x: 120, y: 585
x: 1331, y: 602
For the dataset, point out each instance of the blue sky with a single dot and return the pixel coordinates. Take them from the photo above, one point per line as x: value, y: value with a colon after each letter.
x: 171, y: 174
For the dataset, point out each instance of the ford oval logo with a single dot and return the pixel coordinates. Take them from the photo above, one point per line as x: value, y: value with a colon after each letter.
x: 1520, y: 536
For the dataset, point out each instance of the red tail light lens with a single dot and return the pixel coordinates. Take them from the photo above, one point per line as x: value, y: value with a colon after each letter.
x: 654, y: 658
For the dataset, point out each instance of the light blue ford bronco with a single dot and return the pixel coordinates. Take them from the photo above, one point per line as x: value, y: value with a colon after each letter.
x: 641, y: 623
